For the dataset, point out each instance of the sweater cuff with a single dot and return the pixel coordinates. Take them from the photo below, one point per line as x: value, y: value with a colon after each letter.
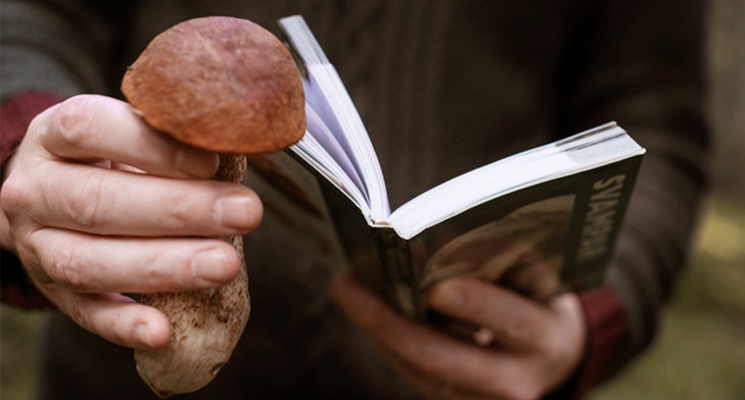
x: 15, y: 116
x: 608, y: 336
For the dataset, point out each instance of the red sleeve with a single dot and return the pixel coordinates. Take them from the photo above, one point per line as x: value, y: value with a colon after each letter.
x: 17, y: 113
x: 608, y: 336
x: 15, y: 116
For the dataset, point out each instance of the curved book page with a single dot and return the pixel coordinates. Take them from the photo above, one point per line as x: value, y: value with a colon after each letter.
x: 325, y: 93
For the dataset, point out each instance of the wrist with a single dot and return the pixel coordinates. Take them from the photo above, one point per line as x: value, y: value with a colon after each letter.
x: 15, y: 116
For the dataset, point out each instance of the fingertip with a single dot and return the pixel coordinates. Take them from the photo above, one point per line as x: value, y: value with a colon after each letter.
x: 240, y: 211
x: 234, y: 261
x: 160, y: 333
x: 153, y: 333
x: 258, y: 210
x: 216, y: 266
x: 447, y: 295
x: 142, y: 335
x: 254, y: 210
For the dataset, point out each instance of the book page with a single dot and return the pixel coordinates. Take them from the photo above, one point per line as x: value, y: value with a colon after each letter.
x: 322, y: 144
x: 328, y: 126
x: 586, y: 150
x: 318, y: 129
x: 316, y: 157
x: 325, y: 93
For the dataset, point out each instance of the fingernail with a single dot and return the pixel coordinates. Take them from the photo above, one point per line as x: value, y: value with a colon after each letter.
x: 142, y: 335
x: 210, y: 265
x: 447, y: 295
x: 236, y: 211
x: 197, y: 162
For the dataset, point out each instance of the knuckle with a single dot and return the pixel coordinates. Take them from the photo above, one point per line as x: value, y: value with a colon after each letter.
x: 177, y: 212
x: 66, y: 269
x: 73, y: 120
x: 79, y: 313
x: 13, y: 196
x: 34, y: 263
x: 151, y: 273
x: 85, y: 206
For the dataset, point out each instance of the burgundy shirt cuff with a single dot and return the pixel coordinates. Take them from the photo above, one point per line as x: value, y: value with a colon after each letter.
x: 15, y: 116
x: 607, y: 337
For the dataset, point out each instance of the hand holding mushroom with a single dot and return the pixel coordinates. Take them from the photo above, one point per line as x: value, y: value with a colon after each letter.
x: 100, y: 202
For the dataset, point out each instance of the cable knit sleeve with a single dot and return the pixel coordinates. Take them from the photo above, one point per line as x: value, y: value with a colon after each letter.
x: 55, y: 46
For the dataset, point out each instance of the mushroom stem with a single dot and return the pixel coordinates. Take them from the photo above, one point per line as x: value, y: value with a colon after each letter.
x: 206, y: 323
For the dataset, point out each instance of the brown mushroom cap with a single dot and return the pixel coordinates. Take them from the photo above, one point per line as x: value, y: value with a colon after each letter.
x: 219, y: 83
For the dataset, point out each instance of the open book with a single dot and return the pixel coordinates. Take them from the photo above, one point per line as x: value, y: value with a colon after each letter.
x: 558, y: 206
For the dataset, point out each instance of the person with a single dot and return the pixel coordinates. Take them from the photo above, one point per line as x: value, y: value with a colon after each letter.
x: 443, y: 87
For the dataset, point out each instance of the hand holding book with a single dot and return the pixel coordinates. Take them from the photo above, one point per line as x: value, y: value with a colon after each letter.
x: 535, y: 347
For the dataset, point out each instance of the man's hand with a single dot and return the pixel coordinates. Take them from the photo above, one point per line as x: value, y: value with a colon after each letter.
x: 99, y: 204
x: 535, y: 347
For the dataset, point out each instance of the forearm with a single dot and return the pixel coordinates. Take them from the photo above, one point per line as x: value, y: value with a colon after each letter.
x: 650, y: 79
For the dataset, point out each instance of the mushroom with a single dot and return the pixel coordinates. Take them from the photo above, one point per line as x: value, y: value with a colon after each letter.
x: 229, y: 86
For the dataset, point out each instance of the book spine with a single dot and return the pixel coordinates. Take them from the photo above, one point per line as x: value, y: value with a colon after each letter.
x: 403, y: 288
x: 377, y: 256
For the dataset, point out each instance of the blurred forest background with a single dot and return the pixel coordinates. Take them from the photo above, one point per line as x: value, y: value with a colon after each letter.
x: 700, y: 351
